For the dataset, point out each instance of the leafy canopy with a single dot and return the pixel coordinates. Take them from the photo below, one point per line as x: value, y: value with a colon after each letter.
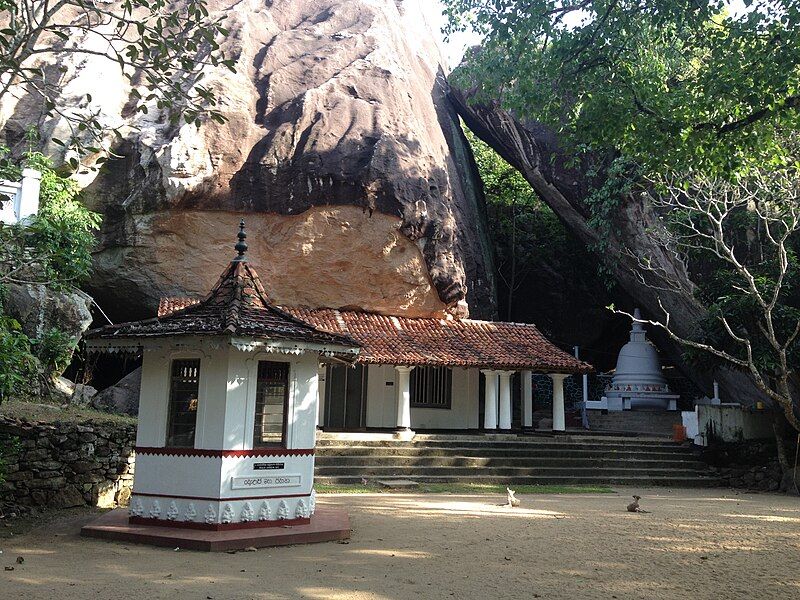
x: 669, y: 84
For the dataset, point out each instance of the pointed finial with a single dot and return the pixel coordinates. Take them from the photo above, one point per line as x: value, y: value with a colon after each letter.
x: 637, y: 327
x: 241, y: 245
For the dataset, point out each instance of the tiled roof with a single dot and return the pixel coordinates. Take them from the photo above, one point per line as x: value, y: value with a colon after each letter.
x: 444, y: 342
x: 236, y: 306
x: 435, y: 342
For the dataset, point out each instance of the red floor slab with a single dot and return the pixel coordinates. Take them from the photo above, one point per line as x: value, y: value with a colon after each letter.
x: 328, y: 524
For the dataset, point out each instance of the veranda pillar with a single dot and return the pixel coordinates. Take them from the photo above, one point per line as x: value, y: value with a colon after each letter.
x: 490, y: 396
x: 527, y: 399
x: 403, y: 423
x: 559, y: 419
x: 505, y: 400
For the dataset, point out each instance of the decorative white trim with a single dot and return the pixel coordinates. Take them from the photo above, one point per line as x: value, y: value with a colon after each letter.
x: 211, y: 515
x: 224, y: 511
x: 296, y: 348
x: 227, y: 514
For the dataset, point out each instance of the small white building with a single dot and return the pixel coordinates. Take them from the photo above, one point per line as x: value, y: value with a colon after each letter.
x: 19, y: 200
x: 227, y: 409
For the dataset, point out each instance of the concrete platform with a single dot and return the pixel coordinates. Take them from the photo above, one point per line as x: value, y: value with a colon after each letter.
x: 328, y: 524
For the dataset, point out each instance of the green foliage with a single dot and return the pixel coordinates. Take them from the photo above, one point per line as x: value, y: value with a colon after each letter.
x: 17, y: 362
x: 669, y: 85
x: 160, y: 47
x: 526, y: 234
x: 54, y: 350
x: 692, y: 94
x: 55, y: 247
x: 54, y: 250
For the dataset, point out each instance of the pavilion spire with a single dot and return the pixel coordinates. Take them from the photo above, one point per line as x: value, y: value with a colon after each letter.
x: 241, y: 245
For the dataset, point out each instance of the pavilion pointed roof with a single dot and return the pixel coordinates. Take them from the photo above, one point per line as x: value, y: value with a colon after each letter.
x: 237, y: 306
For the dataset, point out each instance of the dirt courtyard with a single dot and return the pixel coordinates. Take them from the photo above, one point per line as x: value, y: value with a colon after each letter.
x: 693, y: 544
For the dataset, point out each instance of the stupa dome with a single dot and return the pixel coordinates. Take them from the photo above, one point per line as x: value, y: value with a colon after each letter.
x: 638, y: 376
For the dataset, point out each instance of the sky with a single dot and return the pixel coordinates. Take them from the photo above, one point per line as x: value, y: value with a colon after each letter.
x: 453, y: 49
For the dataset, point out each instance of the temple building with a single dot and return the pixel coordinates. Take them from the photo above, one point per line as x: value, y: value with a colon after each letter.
x: 415, y: 374
x: 233, y: 388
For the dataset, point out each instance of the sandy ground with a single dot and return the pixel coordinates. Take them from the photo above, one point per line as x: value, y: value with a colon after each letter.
x: 694, y: 544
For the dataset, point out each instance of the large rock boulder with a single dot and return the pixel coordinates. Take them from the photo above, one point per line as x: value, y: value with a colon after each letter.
x: 39, y: 308
x: 123, y: 396
x: 341, y: 147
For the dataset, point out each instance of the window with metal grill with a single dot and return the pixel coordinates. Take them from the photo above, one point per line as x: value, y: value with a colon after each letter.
x: 272, y: 404
x: 431, y: 387
x: 183, y: 392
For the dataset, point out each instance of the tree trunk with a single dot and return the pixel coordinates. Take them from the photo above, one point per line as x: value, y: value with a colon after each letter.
x: 787, y: 462
x: 561, y: 181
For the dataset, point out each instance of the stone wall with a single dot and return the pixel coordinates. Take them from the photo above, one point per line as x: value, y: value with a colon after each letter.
x: 63, y: 465
x: 751, y: 465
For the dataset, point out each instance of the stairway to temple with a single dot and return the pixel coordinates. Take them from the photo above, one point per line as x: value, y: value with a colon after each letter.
x: 635, y: 422
x: 556, y: 460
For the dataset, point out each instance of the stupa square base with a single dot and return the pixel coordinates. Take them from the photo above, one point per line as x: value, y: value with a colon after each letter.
x: 328, y: 524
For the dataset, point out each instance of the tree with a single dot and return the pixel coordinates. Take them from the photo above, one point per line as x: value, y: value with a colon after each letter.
x: 512, y: 205
x: 743, y: 235
x: 52, y: 250
x: 160, y: 46
x: 664, y: 83
x: 636, y: 90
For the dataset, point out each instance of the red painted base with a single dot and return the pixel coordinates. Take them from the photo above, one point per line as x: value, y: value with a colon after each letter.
x: 328, y: 524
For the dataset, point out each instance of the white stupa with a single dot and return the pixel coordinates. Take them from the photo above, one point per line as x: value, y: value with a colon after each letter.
x: 638, y: 382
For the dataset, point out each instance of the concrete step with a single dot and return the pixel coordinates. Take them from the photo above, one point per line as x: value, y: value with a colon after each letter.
x: 535, y: 443
x: 493, y: 462
x: 545, y: 451
x: 571, y: 480
x: 393, y: 471
x: 645, y: 422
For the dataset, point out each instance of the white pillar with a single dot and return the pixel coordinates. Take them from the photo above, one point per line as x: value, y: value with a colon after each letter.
x: 505, y: 400
x: 403, y: 397
x: 527, y: 399
x: 490, y: 397
x: 559, y: 419
x: 29, y: 193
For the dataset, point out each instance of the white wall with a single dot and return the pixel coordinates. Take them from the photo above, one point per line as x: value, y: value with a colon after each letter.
x: 382, y: 401
x: 226, y: 406
x: 154, y: 393
x: 226, y: 399
x: 732, y: 423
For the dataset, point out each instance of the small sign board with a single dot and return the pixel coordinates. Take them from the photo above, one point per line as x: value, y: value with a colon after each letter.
x: 268, y: 466
x: 265, y: 481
